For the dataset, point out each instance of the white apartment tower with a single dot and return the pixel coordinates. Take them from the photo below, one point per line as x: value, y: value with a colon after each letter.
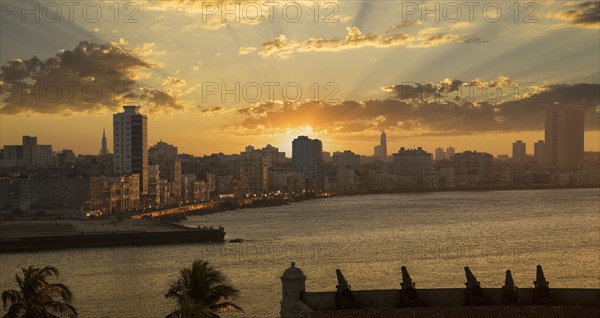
x: 130, y: 145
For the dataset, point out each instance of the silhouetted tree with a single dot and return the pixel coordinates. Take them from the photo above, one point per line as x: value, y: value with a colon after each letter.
x: 201, y: 292
x: 36, y: 297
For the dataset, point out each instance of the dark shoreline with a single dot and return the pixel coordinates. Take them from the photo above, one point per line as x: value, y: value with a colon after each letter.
x: 91, y: 240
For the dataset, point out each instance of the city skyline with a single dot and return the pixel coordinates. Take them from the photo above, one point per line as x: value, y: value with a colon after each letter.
x: 314, y: 158
x: 492, y: 93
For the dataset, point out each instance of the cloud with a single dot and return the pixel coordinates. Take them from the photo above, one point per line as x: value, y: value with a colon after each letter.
x: 197, y: 66
x: 421, y: 118
x: 260, y: 109
x: 283, y: 48
x: 90, y: 78
x: 584, y: 14
x: 392, y: 28
x: 147, y: 49
x: 247, y: 50
x: 215, y: 109
x: 171, y: 81
x: 454, y: 89
x: 437, y: 39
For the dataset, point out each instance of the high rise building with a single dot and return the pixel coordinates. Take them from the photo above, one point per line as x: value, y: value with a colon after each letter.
x: 440, y: 154
x: 380, y: 151
x: 104, y: 146
x: 538, y: 151
x: 518, y: 152
x: 450, y: 153
x: 383, y: 146
x: 130, y: 145
x: 307, y: 159
x: 564, y: 136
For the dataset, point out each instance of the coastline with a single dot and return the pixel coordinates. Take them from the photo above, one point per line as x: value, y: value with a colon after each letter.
x: 25, y: 236
x: 40, y: 234
x: 259, y: 203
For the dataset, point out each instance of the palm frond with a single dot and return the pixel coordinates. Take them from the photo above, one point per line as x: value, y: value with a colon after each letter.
x: 225, y: 307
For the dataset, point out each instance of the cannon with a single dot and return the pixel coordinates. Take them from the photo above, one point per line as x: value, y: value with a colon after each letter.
x: 344, y: 299
x: 474, y: 294
x: 509, y: 290
x: 408, y: 292
x: 541, y: 292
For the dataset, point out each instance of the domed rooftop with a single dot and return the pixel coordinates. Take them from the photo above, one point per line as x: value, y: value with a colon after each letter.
x: 293, y: 273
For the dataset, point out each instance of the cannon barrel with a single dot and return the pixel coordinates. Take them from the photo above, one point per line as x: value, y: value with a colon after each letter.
x: 406, y: 280
x: 509, y: 290
x: 509, y: 283
x: 471, y: 280
x: 342, y: 283
x: 540, y: 279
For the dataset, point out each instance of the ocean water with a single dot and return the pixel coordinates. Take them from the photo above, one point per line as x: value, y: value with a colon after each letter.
x: 368, y: 237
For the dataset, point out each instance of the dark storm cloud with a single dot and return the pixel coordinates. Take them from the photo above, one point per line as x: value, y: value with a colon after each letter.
x: 90, y: 78
x: 582, y: 14
x: 431, y: 117
x: 444, y: 88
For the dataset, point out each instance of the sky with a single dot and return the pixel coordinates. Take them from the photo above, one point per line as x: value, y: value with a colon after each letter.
x: 216, y: 76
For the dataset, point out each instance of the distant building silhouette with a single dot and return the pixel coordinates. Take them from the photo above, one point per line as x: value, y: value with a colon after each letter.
x: 413, y: 168
x: 29, y: 154
x: 376, y: 151
x: 161, y: 153
x: 440, y: 154
x: 473, y: 169
x: 518, y: 152
x: 380, y: 151
x: 104, y: 146
x: 450, y: 153
x: 164, y: 155
x: 383, y: 145
x: 326, y: 157
x: 130, y: 145
x: 307, y: 157
x: 564, y: 136
x: 346, y: 159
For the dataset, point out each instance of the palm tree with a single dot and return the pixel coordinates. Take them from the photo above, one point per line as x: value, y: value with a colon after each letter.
x: 36, y: 297
x: 201, y: 292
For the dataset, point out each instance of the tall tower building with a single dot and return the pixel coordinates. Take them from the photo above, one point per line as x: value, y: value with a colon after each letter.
x: 130, y: 145
x: 307, y: 158
x: 104, y: 147
x: 564, y: 136
x: 383, y: 146
x: 518, y: 153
